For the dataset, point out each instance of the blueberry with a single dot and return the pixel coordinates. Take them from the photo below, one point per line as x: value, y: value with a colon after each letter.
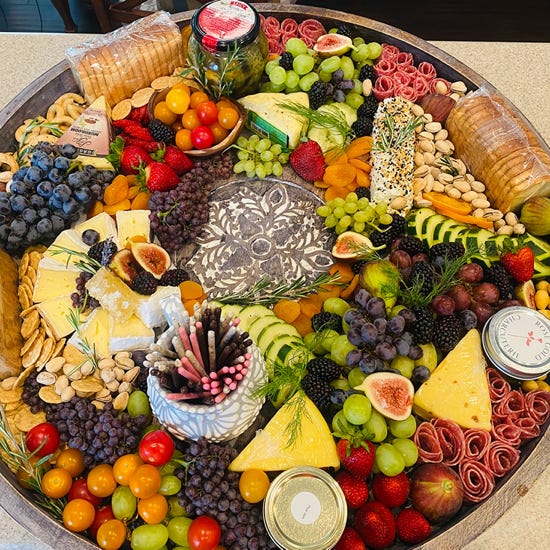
x: 32, y: 235
x: 68, y: 150
x: 90, y: 237
x: 55, y: 203
x: 4, y: 232
x: 44, y: 226
x: 57, y: 223
x: 76, y: 179
x: 44, y: 212
x: 19, y: 203
x: 20, y: 174
x: 34, y: 175
x: 70, y: 206
x: 62, y: 163
x: 97, y: 191
x: 55, y: 175
x: 83, y: 195
x: 106, y: 176
x: 61, y: 192
x: 5, y: 205
x: 45, y: 189
x: 18, y: 187
x: 36, y: 200
x: 18, y: 227
x: 29, y: 215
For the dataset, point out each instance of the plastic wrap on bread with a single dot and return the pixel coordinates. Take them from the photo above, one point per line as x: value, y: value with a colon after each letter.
x: 499, y: 149
x: 119, y: 63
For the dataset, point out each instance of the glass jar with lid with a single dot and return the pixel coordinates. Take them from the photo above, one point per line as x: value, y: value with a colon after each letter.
x: 228, y: 48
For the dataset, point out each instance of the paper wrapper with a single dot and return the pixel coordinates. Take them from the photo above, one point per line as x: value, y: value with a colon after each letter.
x: 125, y: 60
x: 499, y: 150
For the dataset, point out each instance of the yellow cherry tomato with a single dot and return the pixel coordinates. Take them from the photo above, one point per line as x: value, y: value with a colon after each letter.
x: 196, y: 98
x: 164, y: 113
x: 153, y: 509
x: 78, y: 515
x: 125, y: 466
x: 56, y: 483
x: 253, y: 485
x: 71, y: 460
x: 177, y: 100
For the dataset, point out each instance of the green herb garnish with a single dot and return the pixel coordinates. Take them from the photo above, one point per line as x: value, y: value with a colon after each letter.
x: 390, y: 138
x: 73, y: 317
x: 85, y: 263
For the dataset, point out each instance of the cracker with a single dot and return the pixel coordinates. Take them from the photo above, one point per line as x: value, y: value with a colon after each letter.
x: 34, y: 258
x: 30, y: 341
x: 49, y: 395
x: 161, y: 83
x: 32, y: 355
x: 25, y: 298
x: 121, y: 110
x: 10, y: 396
x: 23, y: 265
x: 87, y: 385
x: 25, y: 420
x: 30, y: 324
x: 23, y: 376
x: 47, y: 349
x: 142, y: 97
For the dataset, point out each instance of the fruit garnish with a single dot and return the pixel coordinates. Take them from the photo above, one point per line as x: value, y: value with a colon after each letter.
x: 308, y: 161
x: 519, y: 260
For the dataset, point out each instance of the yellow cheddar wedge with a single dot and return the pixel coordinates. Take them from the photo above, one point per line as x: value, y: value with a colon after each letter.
x: 270, y: 451
x: 95, y: 332
x: 56, y: 312
x: 52, y: 283
x: 458, y: 389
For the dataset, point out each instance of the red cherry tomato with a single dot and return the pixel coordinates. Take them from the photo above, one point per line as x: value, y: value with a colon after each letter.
x: 102, y: 515
x: 79, y: 489
x: 156, y: 448
x: 207, y: 112
x: 44, y: 434
x: 202, y: 137
x: 204, y: 533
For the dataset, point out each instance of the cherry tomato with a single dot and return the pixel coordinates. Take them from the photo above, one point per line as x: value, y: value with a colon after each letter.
x: 183, y: 85
x: 204, y: 533
x: 228, y: 117
x: 145, y: 481
x: 196, y: 98
x: 177, y: 100
x: 190, y: 119
x: 207, y: 112
x: 224, y: 103
x: 101, y: 481
x: 164, y: 113
x: 218, y: 132
x: 253, y: 485
x: 72, y: 460
x: 156, y: 448
x: 177, y: 126
x: 79, y: 489
x: 202, y: 137
x: 56, y: 483
x: 102, y: 515
x: 78, y: 515
x: 183, y: 140
x: 24, y: 477
x: 44, y: 434
x: 125, y: 466
x: 111, y: 534
x: 153, y: 509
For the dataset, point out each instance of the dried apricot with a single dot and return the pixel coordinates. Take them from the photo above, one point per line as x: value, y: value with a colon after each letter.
x: 339, y: 175
x: 287, y: 310
x: 116, y: 191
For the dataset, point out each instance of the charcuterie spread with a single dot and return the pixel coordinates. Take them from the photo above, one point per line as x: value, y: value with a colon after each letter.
x: 268, y: 283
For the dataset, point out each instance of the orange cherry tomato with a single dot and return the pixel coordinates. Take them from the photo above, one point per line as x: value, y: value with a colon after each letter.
x: 145, y: 481
x: 177, y: 100
x: 56, y: 483
x: 228, y: 117
x: 177, y: 126
x: 78, y: 515
x: 207, y: 112
x: 153, y: 509
x: 253, y: 485
x: 190, y: 119
x: 196, y: 98
x: 183, y: 140
x: 111, y: 534
x: 223, y: 104
x: 24, y: 477
x: 101, y: 481
x: 164, y: 113
x: 71, y: 460
x: 125, y: 466
x: 220, y: 133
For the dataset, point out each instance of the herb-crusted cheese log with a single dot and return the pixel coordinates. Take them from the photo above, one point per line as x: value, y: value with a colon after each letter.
x: 393, y: 155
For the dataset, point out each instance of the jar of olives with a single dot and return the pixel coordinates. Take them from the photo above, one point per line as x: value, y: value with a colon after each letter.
x: 228, y: 48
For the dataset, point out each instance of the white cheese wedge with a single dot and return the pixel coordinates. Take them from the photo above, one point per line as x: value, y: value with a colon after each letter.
x: 67, y: 239
x: 52, y: 283
x: 96, y: 331
x: 56, y: 311
x: 103, y: 223
x: 149, y: 309
x: 131, y: 335
x: 132, y: 223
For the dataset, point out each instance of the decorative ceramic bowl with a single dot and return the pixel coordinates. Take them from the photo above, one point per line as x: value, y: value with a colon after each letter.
x: 220, y: 422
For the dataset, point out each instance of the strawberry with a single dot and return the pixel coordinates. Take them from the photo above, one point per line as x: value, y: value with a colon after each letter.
x: 175, y: 158
x: 350, y: 540
x: 519, y: 262
x: 355, y: 490
x: 159, y: 177
x: 307, y: 161
x: 140, y: 114
x: 391, y: 490
x: 412, y: 526
x: 376, y: 524
x: 127, y: 158
x: 357, y: 459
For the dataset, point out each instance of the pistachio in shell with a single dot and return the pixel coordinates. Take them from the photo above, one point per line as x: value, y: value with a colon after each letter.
x: 151, y: 257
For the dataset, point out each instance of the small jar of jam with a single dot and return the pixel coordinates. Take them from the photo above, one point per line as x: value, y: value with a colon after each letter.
x: 228, y: 47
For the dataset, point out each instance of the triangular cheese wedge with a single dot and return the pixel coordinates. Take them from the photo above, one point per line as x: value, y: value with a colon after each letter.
x: 458, y: 389
x: 269, y: 450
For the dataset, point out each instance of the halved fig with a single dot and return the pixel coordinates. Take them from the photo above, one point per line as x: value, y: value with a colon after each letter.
x: 350, y: 245
x: 124, y: 265
x: 332, y: 44
x: 151, y: 257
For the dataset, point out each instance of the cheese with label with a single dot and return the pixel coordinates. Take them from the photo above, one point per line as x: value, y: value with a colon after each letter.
x: 132, y: 223
x: 103, y: 223
x: 458, y: 389
x: 52, y: 283
x: 56, y: 312
x: 90, y: 133
x: 68, y: 239
x: 131, y: 335
x: 267, y: 118
x: 96, y: 331
x: 149, y: 309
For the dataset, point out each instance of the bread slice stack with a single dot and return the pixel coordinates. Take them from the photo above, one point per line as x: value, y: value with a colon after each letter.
x: 499, y: 149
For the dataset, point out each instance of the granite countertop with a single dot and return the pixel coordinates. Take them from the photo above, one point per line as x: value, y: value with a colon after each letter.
x: 519, y: 71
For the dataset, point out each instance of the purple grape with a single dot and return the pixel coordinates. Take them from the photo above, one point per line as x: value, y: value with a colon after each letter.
x: 351, y: 315
x: 369, y: 334
x: 415, y: 352
x: 469, y: 319
x: 396, y: 325
x: 380, y: 323
x: 386, y: 351
x: 402, y: 346
x: 376, y: 307
x: 362, y: 296
x: 353, y: 357
x: 354, y: 337
x: 367, y: 363
x: 419, y: 375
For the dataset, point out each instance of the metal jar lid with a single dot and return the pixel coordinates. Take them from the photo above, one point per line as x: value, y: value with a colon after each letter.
x: 305, y: 509
x: 517, y: 341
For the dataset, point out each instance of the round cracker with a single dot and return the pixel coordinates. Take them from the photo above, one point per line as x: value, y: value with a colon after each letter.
x: 30, y: 324
x: 49, y: 395
x: 141, y: 97
x: 10, y: 396
x: 25, y: 420
x: 25, y: 298
x: 30, y: 341
x: 23, y: 376
x: 121, y: 110
x: 23, y: 265
x: 32, y: 354
x: 47, y: 348
x: 161, y: 83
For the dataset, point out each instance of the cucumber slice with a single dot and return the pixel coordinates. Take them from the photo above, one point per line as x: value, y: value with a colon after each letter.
x: 416, y: 221
x: 281, y: 349
x: 274, y: 331
x: 250, y: 313
x: 432, y: 228
x: 445, y: 231
x: 260, y: 323
x: 231, y: 310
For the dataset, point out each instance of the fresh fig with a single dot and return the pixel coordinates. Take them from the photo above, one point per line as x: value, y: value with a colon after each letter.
x: 332, y: 44
x: 525, y: 293
x: 151, y: 257
x: 124, y: 265
x: 535, y: 215
x: 391, y: 394
x: 350, y: 245
x: 436, y: 491
x: 381, y: 278
x: 438, y: 105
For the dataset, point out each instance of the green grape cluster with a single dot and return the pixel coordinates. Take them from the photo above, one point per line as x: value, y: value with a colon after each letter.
x: 259, y: 157
x: 354, y: 214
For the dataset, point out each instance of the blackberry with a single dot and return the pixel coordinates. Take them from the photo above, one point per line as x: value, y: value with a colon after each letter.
x: 161, y: 132
x: 388, y: 233
x: 145, y: 283
x: 324, y: 320
x: 362, y: 126
x: 103, y: 251
x: 422, y: 278
x: 318, y: 391
x: 324, y: 368
x: 317, y: 94
x: 422, y: 327
x: 357, y: 266
x: 499, y: 276
x: 344, y: 30
x: 442, y: 253
x: 368, y: 107
x: 173, y: 277
x: 362, y: 191
x: 412, y: 245
x: 367, y: 71
x: 448, y: 330
x: 285, y: 61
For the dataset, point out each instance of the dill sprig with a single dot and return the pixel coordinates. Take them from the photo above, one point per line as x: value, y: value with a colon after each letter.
x: 266, y: 292
x: 89, y: 350
x: 85, y: 263
x: 390, y: 138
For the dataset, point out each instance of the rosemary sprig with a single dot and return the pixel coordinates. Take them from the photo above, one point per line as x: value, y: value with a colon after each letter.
x: 85, y: 263
x: 265, y: 292
x: 447, y: 165
x: 89, y: 350
x: 34, y: 123
x: 389, y: 138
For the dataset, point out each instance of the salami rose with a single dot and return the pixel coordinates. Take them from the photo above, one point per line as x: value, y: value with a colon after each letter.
x: 429, y: 447
x: 537, y: 405
x: 383, y: 88
x: 476, y: 443
x: 512, y: 405
x: 498, y: 386
x: 478, y: 480
x: 500, y: 458
x: 509, y: 433
x: 451, y: 439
